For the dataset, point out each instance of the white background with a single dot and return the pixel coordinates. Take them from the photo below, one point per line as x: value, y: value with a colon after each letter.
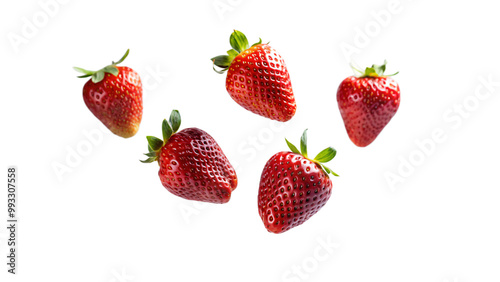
x: 110, y: 219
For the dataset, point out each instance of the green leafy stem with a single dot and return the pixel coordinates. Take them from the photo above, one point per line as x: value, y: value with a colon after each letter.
x: 169, y: 128
x: 239, y: 43
x: 321, y: 158
x: 98, y: 76
x: 373, y: 71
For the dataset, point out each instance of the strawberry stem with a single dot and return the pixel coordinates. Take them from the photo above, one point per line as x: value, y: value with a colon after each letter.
x: 121, y: 59
x: 169, y: 128
x: 239, y: 43
x: 373, y: 71
x: 98, y: 76
x: 292, y: 147
x: 303, y: 144
x: 323, y: 157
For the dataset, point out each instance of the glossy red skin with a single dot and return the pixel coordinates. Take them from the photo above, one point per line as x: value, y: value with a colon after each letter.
x: 258, y: 80
x: 193, y: 166
x: 292, y: 189
x: 367, y: 105
x: 116, y: 101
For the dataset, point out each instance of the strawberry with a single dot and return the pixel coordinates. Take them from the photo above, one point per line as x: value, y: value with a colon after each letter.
x: 367, y: 103
x: 294, y: 187
x: 114, y: 96
x: 192, y: 165
x: 257, y: 78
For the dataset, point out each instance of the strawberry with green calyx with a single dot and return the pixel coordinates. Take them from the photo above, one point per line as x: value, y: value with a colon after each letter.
x: 294, y: 187
x: 192, y: 165
x: 367, y: 103
x: 114, y: 96
x: 257, y: 78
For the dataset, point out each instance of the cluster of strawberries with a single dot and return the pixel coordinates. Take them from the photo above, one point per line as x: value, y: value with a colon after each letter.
x: 293, y: 186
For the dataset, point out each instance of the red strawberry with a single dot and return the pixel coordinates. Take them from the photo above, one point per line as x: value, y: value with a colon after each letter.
x: 293, y: 187
x: 367, y: 103
x: 114, y: 96
x: 257, y: 78
x: 192, y: 165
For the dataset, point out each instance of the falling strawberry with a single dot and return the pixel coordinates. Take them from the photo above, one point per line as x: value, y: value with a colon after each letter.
x: 114, y: 96
x: 367, y: 103
x: 293, y: 187
x: 257, y: 78
x: 192, y: 165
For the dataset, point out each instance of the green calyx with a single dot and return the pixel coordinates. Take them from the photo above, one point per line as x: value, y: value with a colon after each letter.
x: 323, y: 157
x: 168, y: 128
x: 98, y: 76
x: 373, y: 71
x: 239, y: 43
